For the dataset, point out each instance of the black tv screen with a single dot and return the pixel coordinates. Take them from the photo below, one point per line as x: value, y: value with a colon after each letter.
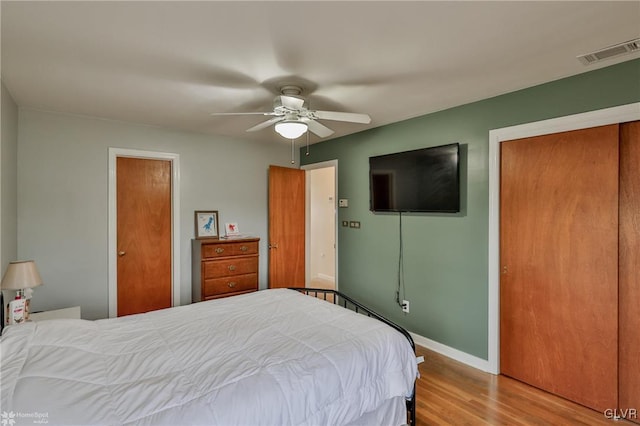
x: 422, y: 180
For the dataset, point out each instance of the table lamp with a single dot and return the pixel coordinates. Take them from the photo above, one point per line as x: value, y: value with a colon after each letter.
x: 21, y: 276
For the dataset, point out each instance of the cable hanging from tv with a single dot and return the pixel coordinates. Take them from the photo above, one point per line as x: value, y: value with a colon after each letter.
x: 400, y: 269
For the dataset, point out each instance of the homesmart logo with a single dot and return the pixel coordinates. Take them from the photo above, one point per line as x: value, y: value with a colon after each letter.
x: 13, y: 417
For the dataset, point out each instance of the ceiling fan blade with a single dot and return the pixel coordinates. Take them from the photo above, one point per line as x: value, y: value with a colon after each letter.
x: 265, y: 124
x: 343, y: 116
x: 242, y: 113
x: 317, y: 128
x: 291, y: 102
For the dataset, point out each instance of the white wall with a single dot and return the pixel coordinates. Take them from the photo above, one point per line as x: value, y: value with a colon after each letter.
x: 62, y: 197
x: 322, y: 218
x: 8, y: 180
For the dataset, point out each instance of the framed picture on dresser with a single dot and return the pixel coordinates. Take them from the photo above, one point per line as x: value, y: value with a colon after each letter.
x: 206, y: 224
x: 231, y: 229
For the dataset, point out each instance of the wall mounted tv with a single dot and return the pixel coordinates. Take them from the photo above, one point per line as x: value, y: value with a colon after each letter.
x: 422, y: 180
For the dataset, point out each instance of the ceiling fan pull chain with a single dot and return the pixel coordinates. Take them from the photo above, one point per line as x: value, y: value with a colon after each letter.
x: 307, y: 154
x: 293, y: 161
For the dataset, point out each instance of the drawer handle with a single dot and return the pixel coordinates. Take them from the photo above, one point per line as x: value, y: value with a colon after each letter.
x: 244, y: 248
x: 231, y: 284
x: 232, y: 267
x: 219, y: 250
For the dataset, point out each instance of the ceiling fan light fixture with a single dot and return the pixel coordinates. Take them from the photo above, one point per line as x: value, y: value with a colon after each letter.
x: 291, y: 129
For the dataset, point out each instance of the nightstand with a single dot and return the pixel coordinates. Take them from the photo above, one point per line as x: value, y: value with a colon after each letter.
x: 67, y: 313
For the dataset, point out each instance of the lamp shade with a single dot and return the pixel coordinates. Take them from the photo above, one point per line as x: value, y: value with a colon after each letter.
x: 291, y: 129
x: 21, y: 275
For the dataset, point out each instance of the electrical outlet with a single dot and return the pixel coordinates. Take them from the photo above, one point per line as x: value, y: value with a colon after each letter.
x: 354, y: 224
x: 405, y: 306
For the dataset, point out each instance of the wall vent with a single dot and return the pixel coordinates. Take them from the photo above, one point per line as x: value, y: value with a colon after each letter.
x: 611, y: 51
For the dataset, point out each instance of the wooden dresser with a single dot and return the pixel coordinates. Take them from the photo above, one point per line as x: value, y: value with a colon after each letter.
x: 224, y: 267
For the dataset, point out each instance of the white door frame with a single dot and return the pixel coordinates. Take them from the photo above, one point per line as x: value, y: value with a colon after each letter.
x: 619, y: 114
x: 113, y: 230
x: 307, y: 250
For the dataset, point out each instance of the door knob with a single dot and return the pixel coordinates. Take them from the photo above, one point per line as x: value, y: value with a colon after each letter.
x: 121, y: 253
x: 273, y: 245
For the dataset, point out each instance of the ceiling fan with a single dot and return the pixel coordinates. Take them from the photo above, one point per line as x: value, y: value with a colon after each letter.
x: 292, y: 117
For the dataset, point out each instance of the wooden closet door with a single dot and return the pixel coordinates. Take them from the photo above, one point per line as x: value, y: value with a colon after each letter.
x: 629, y: 287
x: 559, y: 264
x: 144, y: 234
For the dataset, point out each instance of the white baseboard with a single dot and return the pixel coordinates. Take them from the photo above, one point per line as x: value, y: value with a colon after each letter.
x: 463, y: 357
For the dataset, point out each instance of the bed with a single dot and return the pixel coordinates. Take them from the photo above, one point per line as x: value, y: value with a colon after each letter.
x: 273, y: 357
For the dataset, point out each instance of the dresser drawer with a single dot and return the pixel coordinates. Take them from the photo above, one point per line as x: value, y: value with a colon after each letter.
x: 237, y: 283
x: 229, y: 249
x: 226, y: 267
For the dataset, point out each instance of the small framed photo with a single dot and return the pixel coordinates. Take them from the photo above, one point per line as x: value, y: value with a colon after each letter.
x: 206, y: 224
x: 231, y: 229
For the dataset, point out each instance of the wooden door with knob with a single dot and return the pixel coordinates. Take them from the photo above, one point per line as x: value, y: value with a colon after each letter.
x: 143, y: 234
x: 286, y: 227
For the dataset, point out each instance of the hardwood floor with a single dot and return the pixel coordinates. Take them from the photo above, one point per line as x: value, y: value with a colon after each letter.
x: 452, y: 393
x: 320, y: 283
x: 324, y: 284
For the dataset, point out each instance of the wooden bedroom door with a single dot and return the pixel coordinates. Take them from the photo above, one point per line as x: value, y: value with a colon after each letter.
x: 286, y: 227
x: 144, y: 234
x: 559, y: 264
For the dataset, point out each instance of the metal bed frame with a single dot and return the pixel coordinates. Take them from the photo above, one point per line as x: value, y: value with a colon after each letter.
x: 349, y: 303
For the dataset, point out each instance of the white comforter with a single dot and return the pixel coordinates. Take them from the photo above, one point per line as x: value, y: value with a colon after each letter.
x: 275, y: 357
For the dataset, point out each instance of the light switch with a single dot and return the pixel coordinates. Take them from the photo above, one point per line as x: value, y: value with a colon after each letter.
x: 343, y: 202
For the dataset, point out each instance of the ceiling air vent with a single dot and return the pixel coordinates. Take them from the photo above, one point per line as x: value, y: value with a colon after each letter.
x: 611, y: 51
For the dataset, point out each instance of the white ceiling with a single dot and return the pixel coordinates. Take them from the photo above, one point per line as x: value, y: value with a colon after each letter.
x: 171, y: 64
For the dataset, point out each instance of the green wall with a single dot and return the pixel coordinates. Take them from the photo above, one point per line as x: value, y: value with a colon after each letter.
x: 445, y: 256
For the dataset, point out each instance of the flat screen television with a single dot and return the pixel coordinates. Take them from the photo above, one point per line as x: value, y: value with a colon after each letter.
x: 422, y: 180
